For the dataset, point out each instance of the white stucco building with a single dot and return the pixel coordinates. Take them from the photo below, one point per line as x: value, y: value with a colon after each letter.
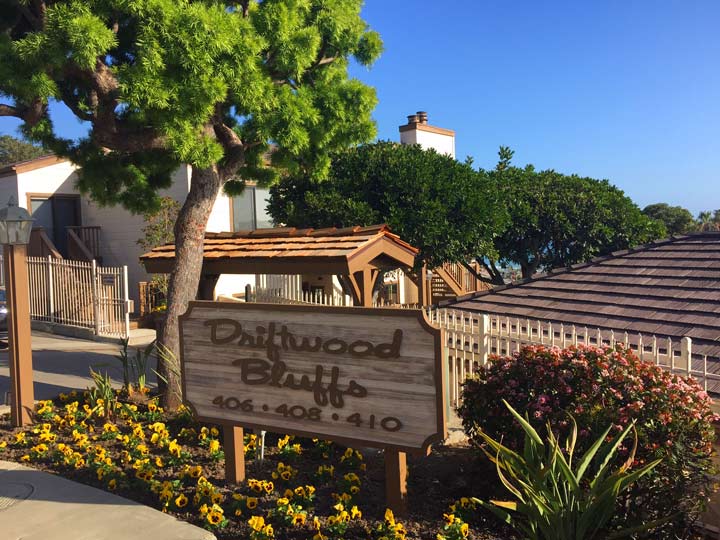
x: 46, y: 188
x: 418, y: 131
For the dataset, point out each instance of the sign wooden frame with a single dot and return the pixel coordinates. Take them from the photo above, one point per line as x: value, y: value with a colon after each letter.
x: 439, y: 371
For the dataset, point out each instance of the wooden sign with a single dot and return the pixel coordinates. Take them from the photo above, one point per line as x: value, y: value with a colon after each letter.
x: 368, y: 377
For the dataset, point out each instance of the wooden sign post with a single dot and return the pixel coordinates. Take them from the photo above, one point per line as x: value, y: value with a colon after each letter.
x: 359, y: 376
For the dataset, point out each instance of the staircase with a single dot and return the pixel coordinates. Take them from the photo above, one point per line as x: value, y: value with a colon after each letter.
x: 453, y: 279
x: 84, y: 243
x: 41, y: 246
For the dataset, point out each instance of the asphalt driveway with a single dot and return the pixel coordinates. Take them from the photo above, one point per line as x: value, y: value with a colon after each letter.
x: 62, y: 363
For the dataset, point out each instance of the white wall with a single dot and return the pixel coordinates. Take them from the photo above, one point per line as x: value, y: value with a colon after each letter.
x: 120, y: 230
x: 221, y: 221
x: 220, y: 217
x: 444, y: 144
x: 58, y: 178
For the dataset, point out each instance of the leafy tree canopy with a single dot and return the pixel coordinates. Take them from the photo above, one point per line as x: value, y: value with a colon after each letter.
x: 13, y: 150
x: 556, y: 220
x: 677, y: 220
x: 442, y: 206
x: 708, y: 221
x: 207, y: 83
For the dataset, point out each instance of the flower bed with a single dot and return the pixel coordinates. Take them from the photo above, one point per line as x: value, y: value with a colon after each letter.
x: 303, y: 488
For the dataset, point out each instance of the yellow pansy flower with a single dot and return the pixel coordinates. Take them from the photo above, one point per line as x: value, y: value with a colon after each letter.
x: 256, y: 523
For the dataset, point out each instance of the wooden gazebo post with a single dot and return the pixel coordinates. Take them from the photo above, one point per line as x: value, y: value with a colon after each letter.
x: 363, y: 284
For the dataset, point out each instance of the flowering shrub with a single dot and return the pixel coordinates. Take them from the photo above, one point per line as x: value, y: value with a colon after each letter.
x: 600, y: 387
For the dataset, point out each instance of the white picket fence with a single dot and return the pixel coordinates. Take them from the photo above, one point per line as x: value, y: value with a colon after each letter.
x: 287, y: 289
x: 472, y: 337
x: 80, y: 294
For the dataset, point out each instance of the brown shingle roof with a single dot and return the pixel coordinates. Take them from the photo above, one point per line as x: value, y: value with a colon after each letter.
x: 668, y: 288
x: 290, y: 250
x: 30, y: 164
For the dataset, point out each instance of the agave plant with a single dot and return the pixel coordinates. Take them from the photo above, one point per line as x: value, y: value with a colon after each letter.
x: 559, y: 497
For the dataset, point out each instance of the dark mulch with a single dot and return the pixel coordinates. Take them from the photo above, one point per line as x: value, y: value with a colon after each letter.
x: 435, y: 482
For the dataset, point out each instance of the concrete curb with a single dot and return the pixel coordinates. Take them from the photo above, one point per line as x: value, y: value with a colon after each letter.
x: 36, y: 505
x: 84, y: 333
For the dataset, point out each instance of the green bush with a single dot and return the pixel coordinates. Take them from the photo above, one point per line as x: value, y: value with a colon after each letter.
x: 601, y: 387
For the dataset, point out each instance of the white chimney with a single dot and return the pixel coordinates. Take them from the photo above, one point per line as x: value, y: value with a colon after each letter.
x: 418, y: 131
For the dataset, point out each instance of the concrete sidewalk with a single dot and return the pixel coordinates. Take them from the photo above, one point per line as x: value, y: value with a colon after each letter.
x: 35, y: 505
x: 63, y: 363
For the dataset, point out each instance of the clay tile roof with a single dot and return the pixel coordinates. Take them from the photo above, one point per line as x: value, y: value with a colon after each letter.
x: 667, y: 288
x: 281, y: 248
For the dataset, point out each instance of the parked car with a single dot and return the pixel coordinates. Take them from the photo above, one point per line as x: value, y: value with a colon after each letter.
x: 3, y: 314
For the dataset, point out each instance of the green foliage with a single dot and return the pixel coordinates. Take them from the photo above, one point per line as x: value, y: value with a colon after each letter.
x: 434, y: 202
x: 556, y: 220
x: 135, y: 366
x: 159, y: 230
x: 209, y: 83
x: 102, y: 397
x: 13, y: 150
x: 709, y: 221
x: 560, y: 496
x: 601, y: 387
x: 677, y: 220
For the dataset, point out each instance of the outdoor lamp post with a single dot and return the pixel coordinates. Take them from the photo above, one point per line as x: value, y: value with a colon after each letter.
x: 15, y: 229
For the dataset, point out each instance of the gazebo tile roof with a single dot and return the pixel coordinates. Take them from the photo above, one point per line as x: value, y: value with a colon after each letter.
x: 291, y: 245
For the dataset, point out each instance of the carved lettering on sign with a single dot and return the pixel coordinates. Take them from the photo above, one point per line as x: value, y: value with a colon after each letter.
x: 273, y: 371
x: 264, y: 338
x: 374, y: 377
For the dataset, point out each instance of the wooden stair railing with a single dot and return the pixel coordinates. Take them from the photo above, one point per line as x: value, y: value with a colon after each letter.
x: 41, y: 246
x: 451, y: 278
x: 77, y: 250
x: 84, y: 243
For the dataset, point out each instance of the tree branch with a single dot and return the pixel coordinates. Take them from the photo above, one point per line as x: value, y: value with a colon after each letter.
x: 9, y: 110
x: 495, y: 274
x: 125, y: 139
x: 31, y: 114
x: 233, y: 146
x: 325, y: 60
x: 477, y: 275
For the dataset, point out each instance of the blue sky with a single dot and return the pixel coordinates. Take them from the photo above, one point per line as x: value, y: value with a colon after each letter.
x: 623, y: 90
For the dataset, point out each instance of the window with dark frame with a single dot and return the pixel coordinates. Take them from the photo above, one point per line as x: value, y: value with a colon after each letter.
x: 249, y: 209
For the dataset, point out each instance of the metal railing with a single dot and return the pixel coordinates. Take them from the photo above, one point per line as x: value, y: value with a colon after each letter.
x: 80, y: 294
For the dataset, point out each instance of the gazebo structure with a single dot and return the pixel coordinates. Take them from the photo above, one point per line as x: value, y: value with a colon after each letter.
x: 356, y: 255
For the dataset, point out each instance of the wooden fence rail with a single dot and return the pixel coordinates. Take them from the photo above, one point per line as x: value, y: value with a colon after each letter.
x: 472, y: 337
x: 81, y: 294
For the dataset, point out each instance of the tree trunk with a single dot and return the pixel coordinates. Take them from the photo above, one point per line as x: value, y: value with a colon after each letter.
x: 495, y: 274
x: 185, y: 277
x: 528, y: 269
